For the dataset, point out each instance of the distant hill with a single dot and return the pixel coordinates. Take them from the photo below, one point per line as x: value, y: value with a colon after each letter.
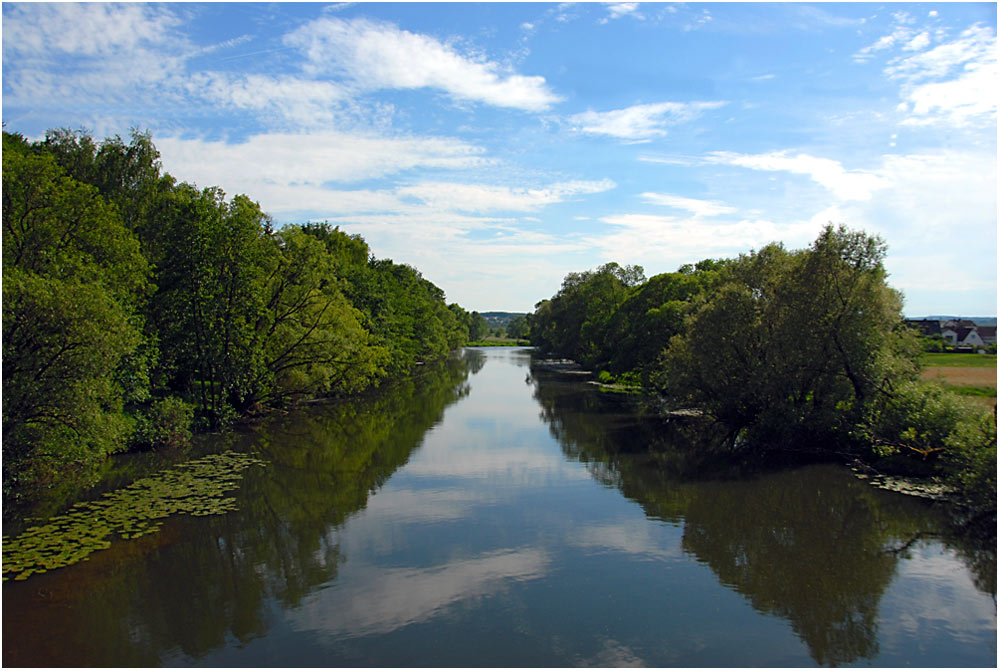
x: 500, y: 318
x: 978, y: 321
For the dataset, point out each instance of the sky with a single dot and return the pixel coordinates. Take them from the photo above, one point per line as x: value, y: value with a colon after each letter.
x: 498, y: 147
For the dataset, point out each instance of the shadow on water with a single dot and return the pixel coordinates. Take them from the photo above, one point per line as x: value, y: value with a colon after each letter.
x: 210, y: 582
x: 809, y: 543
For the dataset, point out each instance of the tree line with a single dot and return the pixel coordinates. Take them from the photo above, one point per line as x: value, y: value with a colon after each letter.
x: 137, y: 308
x: 784, y: 349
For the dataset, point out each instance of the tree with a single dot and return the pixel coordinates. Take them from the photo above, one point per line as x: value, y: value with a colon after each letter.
x: 794, y: 346
x: 573, y: 323
x: 517, y: 327
x: 210, y: 297
x: 312, y: 337
x: 73, y: 276
x: 652, y: 313
x: 478, y: 327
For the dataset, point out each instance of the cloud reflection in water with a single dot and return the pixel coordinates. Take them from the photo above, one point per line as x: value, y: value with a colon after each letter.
x: 377, y: 600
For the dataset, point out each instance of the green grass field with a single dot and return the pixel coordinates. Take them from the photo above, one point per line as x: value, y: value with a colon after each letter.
x: 934, y: 359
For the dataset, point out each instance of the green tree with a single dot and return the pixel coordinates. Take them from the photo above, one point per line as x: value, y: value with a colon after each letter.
x: 574, y: 322
x: 517, y: 327
x: 210, y: 297
x: 652, y: 313
x: 478, y: 327
x: 73, y: 277
x: 312, y: 338
x: 127, y: 175
x: 794, y: 346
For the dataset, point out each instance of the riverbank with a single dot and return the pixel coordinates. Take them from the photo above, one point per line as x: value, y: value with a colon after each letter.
x: 927, y: 477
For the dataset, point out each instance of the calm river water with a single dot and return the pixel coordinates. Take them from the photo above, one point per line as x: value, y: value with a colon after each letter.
x: 495, y: 513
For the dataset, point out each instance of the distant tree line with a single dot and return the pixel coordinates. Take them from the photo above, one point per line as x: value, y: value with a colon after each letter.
x: 803, y: 349
x: 137, y: 308
x: 502, y: 325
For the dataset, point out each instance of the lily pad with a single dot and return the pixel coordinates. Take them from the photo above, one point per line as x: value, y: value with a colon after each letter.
x: 195, y: 487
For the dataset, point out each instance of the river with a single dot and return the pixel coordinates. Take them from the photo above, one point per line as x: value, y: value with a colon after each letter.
x: 491, y: 512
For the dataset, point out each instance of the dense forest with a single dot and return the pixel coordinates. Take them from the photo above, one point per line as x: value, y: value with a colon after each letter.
x: 137, y: 308
x: 803, y: 350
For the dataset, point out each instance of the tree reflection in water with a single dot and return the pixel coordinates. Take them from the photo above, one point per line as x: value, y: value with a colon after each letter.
x: 206, y: 582
x: 810, y: 543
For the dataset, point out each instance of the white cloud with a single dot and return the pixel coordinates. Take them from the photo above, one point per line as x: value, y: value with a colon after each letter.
x: 616, y: 10
x: 380, y: 55
x: 85, y: 29
x: 970, y: 99
x: 937, y: 211
x: 902, y: 34
x: 663, y: 243
x: 294, y: 159
x: 447, y: 229
x: 844, y: 184
x: 917, y: 43
x: 698, y: 21
x: 954, y: 83
x: 304, y: 102
x: 486, y: 198
x: 701, y: 208
x: 691, y: 239
x: 976, y: 45
x: 379, y: 600
x: 77, y: 55
x: 639, y: 122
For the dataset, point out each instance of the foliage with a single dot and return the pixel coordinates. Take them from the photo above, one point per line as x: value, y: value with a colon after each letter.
x: 478, y: 328
x: 803, y: 350
x: 958, y: 438
x: 794, y: 345
x: 122, y: 285
x: 73, y: 276
x: 517, y: 328
x: 312, y: 338
x: 574, y: 322
x: 167, y: 423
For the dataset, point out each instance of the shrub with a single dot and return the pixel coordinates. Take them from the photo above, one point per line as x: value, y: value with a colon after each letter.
x: 940, y: 426
x: 971, y: 460
x: 167, y: 423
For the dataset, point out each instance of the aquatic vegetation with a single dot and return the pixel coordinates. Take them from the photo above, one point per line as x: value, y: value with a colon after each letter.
x: 196, y: 487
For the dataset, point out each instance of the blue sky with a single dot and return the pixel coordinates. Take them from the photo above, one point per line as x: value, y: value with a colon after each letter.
x: 497, y: 147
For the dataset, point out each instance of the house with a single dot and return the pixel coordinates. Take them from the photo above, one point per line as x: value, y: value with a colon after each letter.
x: 965, y: 335
x: 926, y: 327
x: 956, y: 332
x: 976, y: 336
x: 988, y: 334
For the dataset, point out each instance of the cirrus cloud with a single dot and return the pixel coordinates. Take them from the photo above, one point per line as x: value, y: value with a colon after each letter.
x: 844, y: 184
x: 485, y: 198
x: 697, y: 207
x: 639, y: 123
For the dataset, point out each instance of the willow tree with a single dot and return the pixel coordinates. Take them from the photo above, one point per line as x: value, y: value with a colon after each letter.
x: 794, y: 347
x: 312, y: 338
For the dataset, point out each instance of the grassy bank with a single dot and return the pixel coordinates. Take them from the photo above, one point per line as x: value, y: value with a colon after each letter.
x: 499, y: 343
